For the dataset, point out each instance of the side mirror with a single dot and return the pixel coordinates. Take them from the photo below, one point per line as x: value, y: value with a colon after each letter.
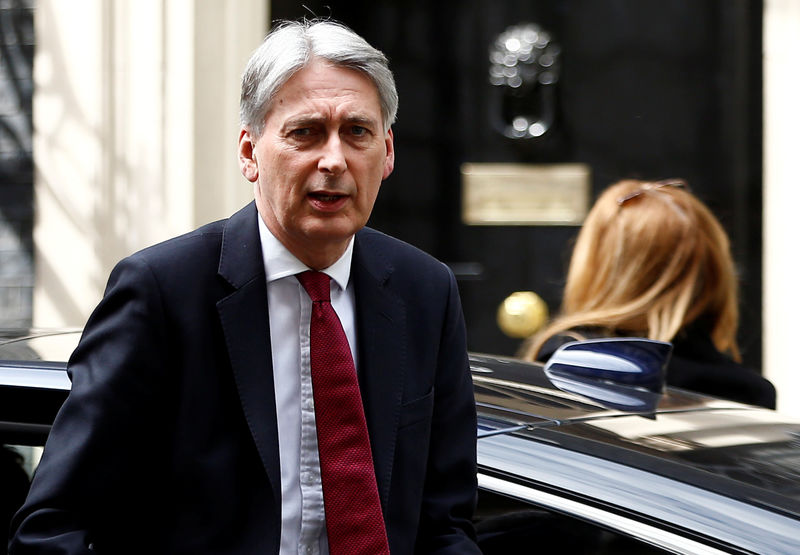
x: 626, y: 373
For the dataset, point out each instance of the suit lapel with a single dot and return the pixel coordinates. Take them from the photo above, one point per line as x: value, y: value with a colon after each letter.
x: 245, y: 323
x: 381, y: 324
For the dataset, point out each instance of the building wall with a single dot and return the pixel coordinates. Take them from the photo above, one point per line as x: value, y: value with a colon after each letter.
x: 16, y: 162
x: 781, y: 200
x: 136, y: 126
x: 135, y: 137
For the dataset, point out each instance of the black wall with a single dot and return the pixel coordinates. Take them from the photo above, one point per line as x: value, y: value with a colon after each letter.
x: 648, y: 89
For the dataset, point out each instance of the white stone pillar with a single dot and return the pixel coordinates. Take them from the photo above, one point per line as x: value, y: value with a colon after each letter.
x: 782, y: 200
x: 135, y: 133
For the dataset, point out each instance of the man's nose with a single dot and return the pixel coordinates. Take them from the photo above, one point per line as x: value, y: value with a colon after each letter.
x: 332, y: 159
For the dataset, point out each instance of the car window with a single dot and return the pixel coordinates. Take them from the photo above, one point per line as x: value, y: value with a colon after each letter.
x: 505, y: 525
x: 17, y: 463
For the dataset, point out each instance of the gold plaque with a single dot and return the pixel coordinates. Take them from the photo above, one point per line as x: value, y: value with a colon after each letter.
x: 525, y: 194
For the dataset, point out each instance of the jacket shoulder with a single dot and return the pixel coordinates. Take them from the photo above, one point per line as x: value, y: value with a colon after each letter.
x: 207, y: 235
x: 186, y: 252
x: 398, y: 254
x: 190, y: 258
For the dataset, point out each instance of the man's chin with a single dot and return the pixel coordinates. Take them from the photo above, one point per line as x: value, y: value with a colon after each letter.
x: 332, y: 228
x: 330, y: 235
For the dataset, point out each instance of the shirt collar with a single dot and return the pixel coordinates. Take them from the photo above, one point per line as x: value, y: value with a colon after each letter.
x: 279, y: 262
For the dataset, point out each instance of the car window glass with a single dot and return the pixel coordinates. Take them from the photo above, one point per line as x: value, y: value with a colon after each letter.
x: 17, y: 463
x: 505, y: 525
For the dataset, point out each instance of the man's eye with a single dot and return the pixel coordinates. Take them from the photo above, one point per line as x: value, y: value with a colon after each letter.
x: 358, y: 131
x: 301, y: 132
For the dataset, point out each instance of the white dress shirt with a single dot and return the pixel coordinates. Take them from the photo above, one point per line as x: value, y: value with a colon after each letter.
x: 302, y: 509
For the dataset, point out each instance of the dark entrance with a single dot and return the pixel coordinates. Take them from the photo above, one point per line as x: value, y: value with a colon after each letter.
x: 646, y: 89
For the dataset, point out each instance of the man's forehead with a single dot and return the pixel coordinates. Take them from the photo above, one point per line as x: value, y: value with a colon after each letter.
x: 323, y: 71
x: 322, y: 92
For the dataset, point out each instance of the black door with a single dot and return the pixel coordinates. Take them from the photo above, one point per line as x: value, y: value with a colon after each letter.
x: 644, y: 88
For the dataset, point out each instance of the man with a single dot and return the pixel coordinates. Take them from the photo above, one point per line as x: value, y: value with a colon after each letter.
x: 196, y: 422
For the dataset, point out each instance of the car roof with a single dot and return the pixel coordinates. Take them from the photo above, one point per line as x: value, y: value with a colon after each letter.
x: 736, y: 450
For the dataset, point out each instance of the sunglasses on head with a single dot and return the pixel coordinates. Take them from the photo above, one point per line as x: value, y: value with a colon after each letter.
x: 652, y: 186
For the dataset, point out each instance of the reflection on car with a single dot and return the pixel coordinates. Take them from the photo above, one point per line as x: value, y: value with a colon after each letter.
x: 589, y: 454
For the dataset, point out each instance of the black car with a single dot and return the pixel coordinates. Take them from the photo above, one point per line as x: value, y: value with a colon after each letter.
x: 590, y: 454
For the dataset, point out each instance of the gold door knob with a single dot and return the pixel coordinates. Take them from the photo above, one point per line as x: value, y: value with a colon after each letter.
x: 522, y: 314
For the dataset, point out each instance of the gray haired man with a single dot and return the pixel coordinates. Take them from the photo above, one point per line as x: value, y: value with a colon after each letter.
x: 283, y: 381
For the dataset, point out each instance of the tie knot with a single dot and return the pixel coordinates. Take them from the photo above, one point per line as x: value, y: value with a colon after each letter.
x: 316, y: 284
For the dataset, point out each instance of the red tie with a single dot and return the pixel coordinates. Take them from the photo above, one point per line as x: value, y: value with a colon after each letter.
x: 352, y: 506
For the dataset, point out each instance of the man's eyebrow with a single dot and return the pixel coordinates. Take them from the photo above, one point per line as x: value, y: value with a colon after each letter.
x: 302, y: 121
x: 318, y: 119
x: 358, y: 118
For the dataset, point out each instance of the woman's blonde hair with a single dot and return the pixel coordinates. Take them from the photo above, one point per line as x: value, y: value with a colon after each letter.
x: 650, y: 259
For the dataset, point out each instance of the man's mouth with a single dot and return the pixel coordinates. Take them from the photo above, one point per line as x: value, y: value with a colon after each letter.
x: 328, y: 202
x: 326, y: 197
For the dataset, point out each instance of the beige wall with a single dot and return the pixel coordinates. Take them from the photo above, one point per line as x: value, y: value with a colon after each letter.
x: 782, y: 200
x: 135, y: 132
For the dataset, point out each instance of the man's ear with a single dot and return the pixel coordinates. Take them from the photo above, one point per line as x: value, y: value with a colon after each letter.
x: 388, y: 164
x: 247, y: 155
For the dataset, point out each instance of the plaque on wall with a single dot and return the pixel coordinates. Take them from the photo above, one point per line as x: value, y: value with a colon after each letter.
x: 525, y: 194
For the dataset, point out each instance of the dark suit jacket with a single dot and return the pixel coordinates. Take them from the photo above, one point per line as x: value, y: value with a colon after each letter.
x: 168, y: 440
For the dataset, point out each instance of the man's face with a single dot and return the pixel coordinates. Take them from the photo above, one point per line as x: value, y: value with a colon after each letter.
x: 320, y: 160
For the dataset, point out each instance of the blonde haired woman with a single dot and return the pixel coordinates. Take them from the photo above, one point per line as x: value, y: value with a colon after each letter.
x: 652, y: 261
